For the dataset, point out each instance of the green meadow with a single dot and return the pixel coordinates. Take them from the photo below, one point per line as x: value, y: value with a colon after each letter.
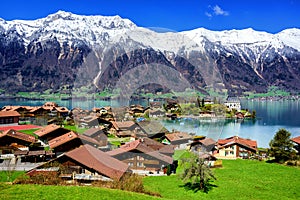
x: 237, y: 179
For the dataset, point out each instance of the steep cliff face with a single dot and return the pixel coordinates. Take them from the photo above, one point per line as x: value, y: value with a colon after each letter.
x: 67, y: 49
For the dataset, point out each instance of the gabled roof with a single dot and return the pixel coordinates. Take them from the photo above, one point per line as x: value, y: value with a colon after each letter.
x: 93, y: 131
x: 18, y: 135
x: 10, y: 113
x: 46, y: 130
x: 62, y: 139
x: 136, y: 145
x: 178, y: 136
x: 296, y: 140
x: 99, y: 161
x: 207, y: 141
x: 88, y: 139
x: 238, y: 140
x: 123, y: 125
x: 139, y: 145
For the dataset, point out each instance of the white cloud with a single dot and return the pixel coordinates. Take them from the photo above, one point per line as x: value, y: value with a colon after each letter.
x: 219, y: 11
x: 215, y: 11
x: 208, y: 14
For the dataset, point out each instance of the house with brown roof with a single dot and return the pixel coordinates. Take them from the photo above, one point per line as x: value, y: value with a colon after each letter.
x: 65, y: 142
x: 125, y: 128
x: 207, y: 145
x: 97, y: 134
x: 50, y: 131
x: 235, y: 147
x: 296, y: 141
x: 139, y: 156
x: 87, y: 163
x: 15, y: 138
x: 178, y: 139
x: 9, y: 118
x: 153, y: 129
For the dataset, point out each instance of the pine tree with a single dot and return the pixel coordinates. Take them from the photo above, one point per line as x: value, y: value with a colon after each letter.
x: 281, y: 146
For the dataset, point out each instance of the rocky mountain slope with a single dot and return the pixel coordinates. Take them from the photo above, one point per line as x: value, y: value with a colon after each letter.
x: 64, y: 49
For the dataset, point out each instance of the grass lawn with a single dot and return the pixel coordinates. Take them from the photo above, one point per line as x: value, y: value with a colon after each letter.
x: 30, y: 131
x: 238, y: 179
x: 11, y: 174
x: 66, y: 192
x: 75, y: 129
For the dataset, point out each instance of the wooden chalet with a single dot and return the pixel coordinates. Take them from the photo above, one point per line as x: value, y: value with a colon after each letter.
x: 139, y: 156
x: 97, y: 134
x: 50, y: 131
x: 87, y: 163
x: 203, y: 145
x: 125, y: 128
x: 9, y: 117
x: 12, y: 137
x: 178, y: 139
x: 65, y: 142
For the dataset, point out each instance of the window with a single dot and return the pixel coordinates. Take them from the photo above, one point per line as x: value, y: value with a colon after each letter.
x: 140, y: 164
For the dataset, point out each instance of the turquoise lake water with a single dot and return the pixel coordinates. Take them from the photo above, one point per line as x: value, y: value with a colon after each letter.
x: 271, y: 116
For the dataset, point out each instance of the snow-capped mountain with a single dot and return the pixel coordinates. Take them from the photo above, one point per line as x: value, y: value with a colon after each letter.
x: 61, y: 48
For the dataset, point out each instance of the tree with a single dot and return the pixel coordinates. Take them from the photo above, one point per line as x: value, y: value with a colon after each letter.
x: 196, y: 171
x: 281, y: 147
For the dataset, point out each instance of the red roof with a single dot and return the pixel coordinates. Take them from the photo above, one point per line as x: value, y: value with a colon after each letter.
x: 10, y: 113
x: 18, y: 135
x: 238, y: 140
x: 98, y: 161
x: 296, y: 140
x: 62, y: 139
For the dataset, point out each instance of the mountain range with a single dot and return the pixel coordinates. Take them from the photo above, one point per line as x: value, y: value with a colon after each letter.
x: 65, y: 50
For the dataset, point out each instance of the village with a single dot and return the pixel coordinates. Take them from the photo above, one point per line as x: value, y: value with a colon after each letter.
x: 106, y: 143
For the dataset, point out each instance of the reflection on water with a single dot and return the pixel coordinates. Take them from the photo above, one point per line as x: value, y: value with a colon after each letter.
x: 271, y: 115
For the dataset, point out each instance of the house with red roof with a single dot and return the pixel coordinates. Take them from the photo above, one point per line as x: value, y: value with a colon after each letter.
x: 296, y: 141
x: 235, y: 147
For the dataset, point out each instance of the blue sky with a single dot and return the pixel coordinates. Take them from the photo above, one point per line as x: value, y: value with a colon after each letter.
x: 263, y: 15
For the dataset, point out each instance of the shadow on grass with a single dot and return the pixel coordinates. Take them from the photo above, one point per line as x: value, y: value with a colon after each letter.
x: 195, y: 187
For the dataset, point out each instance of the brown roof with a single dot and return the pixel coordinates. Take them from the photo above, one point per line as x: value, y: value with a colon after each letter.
x: 208, y: 141
x: 92, y: 131
x: 178, y: 136
x: 62, y: 139
x: 131, y: 146
x: 99, y: 161
x: 238, y: 140
x: 10, y: 113
x: 296, y: 140
x: 167, y: 149
x: 85, y: 138
x: 46, y: 130
x: 15, y: 134
x: 139, y: 145
x: 123, y: 125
